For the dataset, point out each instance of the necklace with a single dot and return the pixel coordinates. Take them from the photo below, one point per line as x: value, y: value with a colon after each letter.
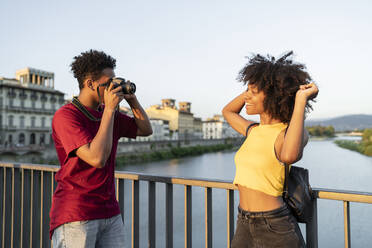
x: 79, y: 106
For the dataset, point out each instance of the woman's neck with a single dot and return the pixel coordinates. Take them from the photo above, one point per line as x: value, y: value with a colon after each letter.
x: 266, y: 119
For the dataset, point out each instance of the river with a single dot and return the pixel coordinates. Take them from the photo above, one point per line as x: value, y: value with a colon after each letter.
x: 329, y: 167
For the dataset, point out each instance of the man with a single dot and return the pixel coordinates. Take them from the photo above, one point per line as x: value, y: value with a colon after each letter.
x: 85, y: 212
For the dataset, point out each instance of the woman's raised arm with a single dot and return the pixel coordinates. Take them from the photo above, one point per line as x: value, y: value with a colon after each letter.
x: 296, y: 136
x: 231, y: 113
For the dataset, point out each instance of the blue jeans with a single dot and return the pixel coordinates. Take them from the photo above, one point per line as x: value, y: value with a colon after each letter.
x: 108, y: 233
x: 269, y: 229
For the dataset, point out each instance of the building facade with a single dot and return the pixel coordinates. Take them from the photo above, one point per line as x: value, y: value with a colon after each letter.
x: 217, y: 128
x: 181, y: 120
x: 27, y: 105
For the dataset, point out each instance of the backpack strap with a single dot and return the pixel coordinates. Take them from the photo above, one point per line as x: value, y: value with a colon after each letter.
x: 286, y: 174
x: 250, y: 125
x: 285, y: 186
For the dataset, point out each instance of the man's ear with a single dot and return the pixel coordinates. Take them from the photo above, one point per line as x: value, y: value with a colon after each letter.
x: 89, y: 84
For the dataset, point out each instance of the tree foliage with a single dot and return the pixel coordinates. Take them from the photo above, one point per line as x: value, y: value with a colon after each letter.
x: 322, y: 131
x: 364, y: 146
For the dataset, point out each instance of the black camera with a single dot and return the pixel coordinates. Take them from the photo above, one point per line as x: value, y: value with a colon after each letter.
x: 127, y: 86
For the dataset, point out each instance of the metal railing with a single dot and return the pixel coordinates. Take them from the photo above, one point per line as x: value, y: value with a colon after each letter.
x: 27, y: 192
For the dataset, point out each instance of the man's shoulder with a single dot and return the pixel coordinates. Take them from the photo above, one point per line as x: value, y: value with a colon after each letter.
x: 67, y: 111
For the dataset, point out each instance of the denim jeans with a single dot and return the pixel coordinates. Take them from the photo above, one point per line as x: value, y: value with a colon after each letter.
x: 108, y: 233
x: 276, y: 228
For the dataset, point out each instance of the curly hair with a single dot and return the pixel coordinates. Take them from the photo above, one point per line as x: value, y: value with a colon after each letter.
x: 91, y: 64
x: 279, y: 80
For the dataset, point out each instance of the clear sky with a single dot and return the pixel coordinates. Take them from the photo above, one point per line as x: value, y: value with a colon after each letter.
x: 193, y: 50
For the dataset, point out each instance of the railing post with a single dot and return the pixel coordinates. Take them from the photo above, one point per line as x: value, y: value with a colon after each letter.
x: 16, y: 208
x: 230, y: 216
x: 46, y: 205
x: 347, y: 224
x: 312, y: 228
x: 135, y: 214
x: 188, y: 216
x: 169, y: 215
x: 152, y: 214
x: 7, y: 205
x: 2, y: 205
x: 208, y: 218
x: 26, y: 208
x: 120, y: 196
x: 35, y: 208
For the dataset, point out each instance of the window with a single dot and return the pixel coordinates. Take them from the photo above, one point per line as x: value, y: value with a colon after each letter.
x: 22, y: 121
x: 33, y: 104
x: 32, y: 121
x: 32, y: 139
x: 11, y: 119
x: 42, y: 139
x: 21, y: 139
x: 42, y: 121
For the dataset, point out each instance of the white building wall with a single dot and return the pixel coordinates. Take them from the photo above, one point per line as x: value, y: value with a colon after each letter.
x: 28, y: 110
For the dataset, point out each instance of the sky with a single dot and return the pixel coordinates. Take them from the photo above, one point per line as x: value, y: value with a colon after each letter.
x: 193, y: 50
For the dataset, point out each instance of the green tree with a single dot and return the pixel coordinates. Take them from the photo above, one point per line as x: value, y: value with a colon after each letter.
x: 367, y: 135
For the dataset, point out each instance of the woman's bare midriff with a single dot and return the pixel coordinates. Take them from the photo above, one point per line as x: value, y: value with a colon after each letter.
x: 257, y: 201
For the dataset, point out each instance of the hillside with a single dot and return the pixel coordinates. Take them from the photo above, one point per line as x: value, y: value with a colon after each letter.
x: 344, y: 123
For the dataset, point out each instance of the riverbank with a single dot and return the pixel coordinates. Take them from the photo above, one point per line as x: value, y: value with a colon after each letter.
x: 356, y: 145
x: 134, y: 151
x: 175, y: 152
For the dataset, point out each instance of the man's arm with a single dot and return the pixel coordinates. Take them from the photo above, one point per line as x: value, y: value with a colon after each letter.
x: 142, y: 121
x: 98, y: 151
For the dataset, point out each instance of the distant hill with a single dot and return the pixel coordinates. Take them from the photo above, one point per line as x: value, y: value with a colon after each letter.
x: 344, y: 123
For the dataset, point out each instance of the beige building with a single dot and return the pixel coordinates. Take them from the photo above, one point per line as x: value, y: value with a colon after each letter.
x: 27, y: 105
x: 181, y: 120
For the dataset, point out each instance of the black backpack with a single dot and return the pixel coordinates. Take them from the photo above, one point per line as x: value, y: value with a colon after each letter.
x: 297, y: 193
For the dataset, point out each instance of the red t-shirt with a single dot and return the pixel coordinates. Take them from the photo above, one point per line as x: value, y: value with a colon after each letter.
x: 84, y: 192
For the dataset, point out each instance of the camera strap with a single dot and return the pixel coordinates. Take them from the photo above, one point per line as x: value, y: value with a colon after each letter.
x: 79, y: 106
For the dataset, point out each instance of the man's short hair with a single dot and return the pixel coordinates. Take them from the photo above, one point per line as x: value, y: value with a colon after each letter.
x: 91, y: 64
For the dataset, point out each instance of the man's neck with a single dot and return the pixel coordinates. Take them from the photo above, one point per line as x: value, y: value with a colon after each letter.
x: 87, y: 100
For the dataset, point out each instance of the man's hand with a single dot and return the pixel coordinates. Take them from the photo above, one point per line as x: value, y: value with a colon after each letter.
x: 113, y: 97
x: 129, y: 97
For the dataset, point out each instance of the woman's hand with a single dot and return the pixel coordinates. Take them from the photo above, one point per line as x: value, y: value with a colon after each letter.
x: 307, y: 91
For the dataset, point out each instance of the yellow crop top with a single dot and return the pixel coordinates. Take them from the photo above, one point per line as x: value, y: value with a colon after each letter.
x: 257, y: 166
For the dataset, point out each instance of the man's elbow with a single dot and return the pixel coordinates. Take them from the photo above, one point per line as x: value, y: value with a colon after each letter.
x: 146, y: 132
x: 149, y: 132
x: 98, y: 163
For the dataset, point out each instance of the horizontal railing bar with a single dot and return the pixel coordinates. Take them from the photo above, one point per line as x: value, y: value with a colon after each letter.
x: 344, y: 195
x: 40, y: 167
x: 201, y: 182
x: 330, y: 194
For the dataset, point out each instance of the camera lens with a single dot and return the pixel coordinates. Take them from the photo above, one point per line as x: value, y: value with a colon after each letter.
x: 127, y: 86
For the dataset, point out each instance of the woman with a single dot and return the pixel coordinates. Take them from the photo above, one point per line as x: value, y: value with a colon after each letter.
x: 279, y: 91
